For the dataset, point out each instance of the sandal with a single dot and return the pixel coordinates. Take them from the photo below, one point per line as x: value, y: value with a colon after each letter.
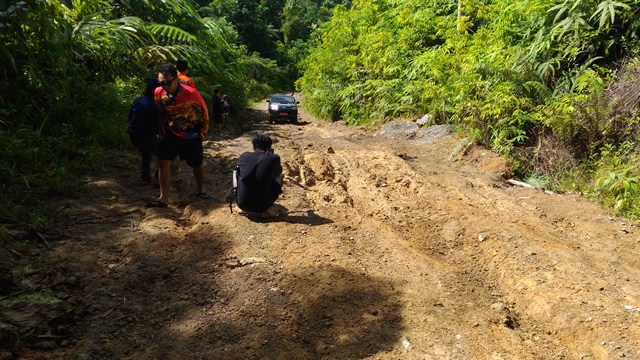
x: 201, y: 195
x: 156, y: 204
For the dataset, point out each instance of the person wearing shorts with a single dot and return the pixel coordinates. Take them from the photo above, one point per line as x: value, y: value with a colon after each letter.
x: 185, y: 121
x: 189, y: 150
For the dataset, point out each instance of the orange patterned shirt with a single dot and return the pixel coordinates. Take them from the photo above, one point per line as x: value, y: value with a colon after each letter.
x: 185, y: 113
x: 185, y: 79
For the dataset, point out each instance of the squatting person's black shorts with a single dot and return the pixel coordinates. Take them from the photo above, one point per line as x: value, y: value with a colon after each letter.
x: 188, y: 149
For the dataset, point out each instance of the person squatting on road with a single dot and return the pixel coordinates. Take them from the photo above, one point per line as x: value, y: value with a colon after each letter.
x: 143, y: 130
x: 185, y: 119
x: 259, y: 177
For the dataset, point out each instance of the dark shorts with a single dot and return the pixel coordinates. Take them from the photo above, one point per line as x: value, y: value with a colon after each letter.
x: 188, y: 149
x: 146, y: 144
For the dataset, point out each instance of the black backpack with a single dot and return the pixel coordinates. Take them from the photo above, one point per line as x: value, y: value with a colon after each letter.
x: 237, y: 177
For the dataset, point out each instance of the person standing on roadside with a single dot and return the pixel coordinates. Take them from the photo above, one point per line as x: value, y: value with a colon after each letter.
x: 185, y: 121
x: 183, y: 70
x: 226, y: 108
x: 217, y: 108
x: 143, y: 130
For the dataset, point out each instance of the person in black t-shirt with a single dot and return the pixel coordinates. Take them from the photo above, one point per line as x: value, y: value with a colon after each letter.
x: 216, y: 110
x: 259, y: 178
x: 226, y: 108
x: 143, y: 130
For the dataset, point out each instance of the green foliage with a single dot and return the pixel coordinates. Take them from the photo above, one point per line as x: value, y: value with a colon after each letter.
x: 277, y: 30
x: 410, y: 53
x: 573, y: 35
x: 532, y: 45
x: 618, y: 180
x: 256, y: 21
x: 70, y: 71
x: 526, y: 78
x: 300, y: 17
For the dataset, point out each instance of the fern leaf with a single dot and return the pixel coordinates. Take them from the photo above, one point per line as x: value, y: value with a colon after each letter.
x: 171, y: 34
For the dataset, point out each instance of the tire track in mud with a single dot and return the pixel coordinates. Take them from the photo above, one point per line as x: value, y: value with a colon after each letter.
x: 390, y: 196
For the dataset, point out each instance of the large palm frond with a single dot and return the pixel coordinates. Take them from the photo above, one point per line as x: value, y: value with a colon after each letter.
x: 171, y: 35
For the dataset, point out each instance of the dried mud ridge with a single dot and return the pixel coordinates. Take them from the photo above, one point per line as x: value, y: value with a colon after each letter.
x: 385, y: 248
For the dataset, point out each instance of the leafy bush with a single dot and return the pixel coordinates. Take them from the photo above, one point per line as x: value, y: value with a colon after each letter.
x: 618, y: 179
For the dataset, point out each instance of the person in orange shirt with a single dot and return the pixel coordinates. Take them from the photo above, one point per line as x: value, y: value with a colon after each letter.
x: 183, y: 70
x: 185, y: 120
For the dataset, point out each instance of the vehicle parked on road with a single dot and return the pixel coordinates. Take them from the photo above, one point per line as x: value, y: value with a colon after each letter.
x: 283, y: 107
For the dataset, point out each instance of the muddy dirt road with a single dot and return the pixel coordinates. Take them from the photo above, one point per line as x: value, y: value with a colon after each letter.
x: 384, y: 249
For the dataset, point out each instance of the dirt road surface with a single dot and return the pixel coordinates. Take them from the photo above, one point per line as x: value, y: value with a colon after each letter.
x: 385, y: 247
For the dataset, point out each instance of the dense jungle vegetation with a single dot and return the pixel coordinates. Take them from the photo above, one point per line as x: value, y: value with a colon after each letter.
x: 551, y: 85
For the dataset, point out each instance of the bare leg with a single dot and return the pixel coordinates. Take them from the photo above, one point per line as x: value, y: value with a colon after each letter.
x: 198, y: 173
x: 164, y: 172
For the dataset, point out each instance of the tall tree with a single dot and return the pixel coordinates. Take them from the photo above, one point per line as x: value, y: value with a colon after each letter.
x: 257, y: 22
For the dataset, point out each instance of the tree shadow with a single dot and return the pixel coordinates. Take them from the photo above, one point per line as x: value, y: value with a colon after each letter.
x: 150, y: 284
x: 326, y: 312
x: 162, y: 291
x: 179, y: 301
x: 339, y: 314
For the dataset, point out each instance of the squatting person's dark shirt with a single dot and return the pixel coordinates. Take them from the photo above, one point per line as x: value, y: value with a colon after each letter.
x: 258, y: 185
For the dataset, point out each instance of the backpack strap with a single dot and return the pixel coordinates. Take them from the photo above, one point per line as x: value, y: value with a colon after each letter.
x: 234, y: 188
